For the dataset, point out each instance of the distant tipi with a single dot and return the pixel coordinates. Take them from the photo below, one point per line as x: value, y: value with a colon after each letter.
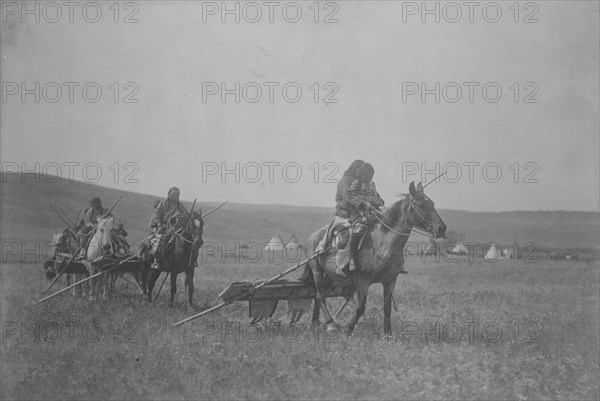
x: 494, y: 253
x: 293, y: 242
x: 275, y: 244
x: 459, y: 249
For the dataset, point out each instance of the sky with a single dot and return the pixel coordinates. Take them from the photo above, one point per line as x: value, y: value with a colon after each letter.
x: 505, y: 99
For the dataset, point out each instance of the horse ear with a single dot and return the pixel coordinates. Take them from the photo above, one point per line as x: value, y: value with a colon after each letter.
x: 420, y: 188
x: 411, y: 188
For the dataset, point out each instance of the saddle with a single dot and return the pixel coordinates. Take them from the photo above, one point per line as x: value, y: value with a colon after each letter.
x: 358, y: 230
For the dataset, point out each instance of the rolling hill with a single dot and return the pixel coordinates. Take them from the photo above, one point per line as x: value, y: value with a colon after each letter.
x: 26, y: 216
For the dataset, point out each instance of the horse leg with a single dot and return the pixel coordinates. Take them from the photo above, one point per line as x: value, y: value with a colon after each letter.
x: 189, y: 280
x: 144, y: 269
x: 388, y: 290
x: 316, y: 312
x: 320, y: 285
x: 173, y: 287
x: 362, y: 289
x: 154, y: 274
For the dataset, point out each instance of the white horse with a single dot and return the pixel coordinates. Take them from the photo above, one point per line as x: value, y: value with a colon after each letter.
x: 100, y: 245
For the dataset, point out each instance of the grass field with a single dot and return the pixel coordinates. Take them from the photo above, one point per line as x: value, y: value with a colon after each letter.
x: 462, y: 331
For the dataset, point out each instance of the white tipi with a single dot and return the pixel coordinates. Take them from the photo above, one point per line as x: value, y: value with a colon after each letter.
x: 293, y: 242
x: 459, y: 249
x: 275, y: 244
x: 493, y: 253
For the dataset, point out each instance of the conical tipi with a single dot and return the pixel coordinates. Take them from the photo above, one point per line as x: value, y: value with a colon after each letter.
x: 293, y: 242
x: 275, y: 244
x: 493, y: 253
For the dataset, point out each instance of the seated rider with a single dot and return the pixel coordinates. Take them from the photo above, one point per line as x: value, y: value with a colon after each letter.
x: 356, y: 196
x: 90, y: 224
x: 120, y: 239
x: 163, y: 211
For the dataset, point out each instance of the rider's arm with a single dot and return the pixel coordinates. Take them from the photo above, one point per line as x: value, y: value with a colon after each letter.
x: 157, y: 216
x: 88, y: 219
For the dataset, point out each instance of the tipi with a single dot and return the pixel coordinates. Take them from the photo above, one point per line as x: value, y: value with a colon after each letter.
x: 494, y: 253
x: 275, y: 244
x: 508, y: 253
x: 293, y: 242
x: 459, y: 249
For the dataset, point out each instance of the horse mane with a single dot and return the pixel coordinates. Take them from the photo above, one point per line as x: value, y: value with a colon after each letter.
x: 393, y: 213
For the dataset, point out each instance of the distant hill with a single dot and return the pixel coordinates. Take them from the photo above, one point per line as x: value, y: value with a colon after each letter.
x: 25, y: 214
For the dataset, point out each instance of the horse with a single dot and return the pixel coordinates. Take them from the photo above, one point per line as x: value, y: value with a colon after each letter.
x: 379, y: 260
x: 184, y: 232
x: 65, y: 245
x: 101, y: 254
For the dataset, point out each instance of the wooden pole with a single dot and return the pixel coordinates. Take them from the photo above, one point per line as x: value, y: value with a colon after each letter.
x: 111, y: 208
x: 243, y: 295
x: 215, y: 209
x: 161, y: 285
x: 61, y: 272
x: 86, y: 279
x: 339, y: 311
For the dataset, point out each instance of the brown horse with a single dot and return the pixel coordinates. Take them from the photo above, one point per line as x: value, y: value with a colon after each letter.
x: 381, y: 257
x: 183, y: 234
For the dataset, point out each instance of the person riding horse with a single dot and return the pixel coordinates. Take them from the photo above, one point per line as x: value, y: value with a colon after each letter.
x: 163, y: 212
x: 356, y: 199
x: 90, y: 223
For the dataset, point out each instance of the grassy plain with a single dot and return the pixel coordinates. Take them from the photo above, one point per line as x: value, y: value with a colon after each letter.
x: 462, y: 331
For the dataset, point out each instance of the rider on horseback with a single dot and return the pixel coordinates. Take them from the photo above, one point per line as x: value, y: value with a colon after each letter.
x: 165, y: 210
x: 355, y: 198
x: 91, y: 223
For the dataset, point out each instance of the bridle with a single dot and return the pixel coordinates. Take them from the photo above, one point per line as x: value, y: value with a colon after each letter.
x: 179, y: 232
x: 417, y: 228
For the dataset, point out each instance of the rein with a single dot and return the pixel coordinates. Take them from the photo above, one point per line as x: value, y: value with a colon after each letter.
x: 413, y: 229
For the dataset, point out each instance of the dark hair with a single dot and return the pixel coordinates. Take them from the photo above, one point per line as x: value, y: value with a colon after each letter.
x: 366, y: 171
x: 354, y: 166
x: 95, y: 201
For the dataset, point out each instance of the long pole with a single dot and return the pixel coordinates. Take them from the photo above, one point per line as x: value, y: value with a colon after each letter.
x: 70, y: 229
x: 243, y: 295
x: 61, y: 271
x: 161, y: 285
x: 215, y: 209
x: 111, y: 208
x: 86, y: 279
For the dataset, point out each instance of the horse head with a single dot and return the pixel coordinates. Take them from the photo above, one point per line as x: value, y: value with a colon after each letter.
x: 101, y: 238
x: 187, y: 229
x: 423, y: 214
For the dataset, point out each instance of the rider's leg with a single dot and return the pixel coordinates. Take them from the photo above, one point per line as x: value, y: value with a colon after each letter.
x: 344, y: 237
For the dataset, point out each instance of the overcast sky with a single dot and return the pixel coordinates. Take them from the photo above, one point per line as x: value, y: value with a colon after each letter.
x: 541, y: 134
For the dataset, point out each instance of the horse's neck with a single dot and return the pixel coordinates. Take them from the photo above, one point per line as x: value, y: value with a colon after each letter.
x: 399, y: 226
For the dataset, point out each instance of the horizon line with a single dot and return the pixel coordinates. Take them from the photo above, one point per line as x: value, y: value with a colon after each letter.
x: 70, y: 181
